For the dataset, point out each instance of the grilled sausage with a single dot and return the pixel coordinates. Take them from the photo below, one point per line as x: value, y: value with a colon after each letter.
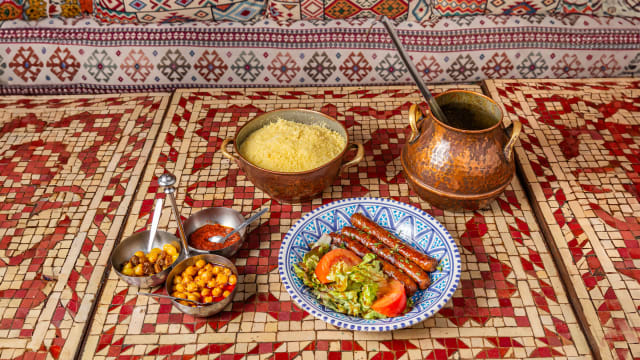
x: 426, y: 262
x: 409, y: 285
x: 378, y: 248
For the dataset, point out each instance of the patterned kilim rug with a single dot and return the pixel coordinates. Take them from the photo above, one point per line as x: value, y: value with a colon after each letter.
x: 510, y: 302
x: 69, y: 167
x: 580, y: 157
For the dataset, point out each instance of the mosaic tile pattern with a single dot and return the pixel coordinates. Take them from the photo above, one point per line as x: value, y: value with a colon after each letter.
x: 69, y: 167
x: 580, y: 155
x: 510, y: 302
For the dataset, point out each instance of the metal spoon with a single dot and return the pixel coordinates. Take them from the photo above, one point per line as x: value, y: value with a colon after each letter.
x: 171, y: 297
x: 435, y: 108
x: 219, y: 239
x: 167, y: 180
x: 157, y: 211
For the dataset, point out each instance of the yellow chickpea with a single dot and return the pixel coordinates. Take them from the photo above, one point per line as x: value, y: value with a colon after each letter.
x: 207, y: 299
x: 227, y: 271
x: 200, y: 263
x: 177, y: 279
x: 128, y: 270
x: 193, y: 296
x: 170, y: 249
x: 138, y: 270
x: 205, y: 292
x: 206, y: 276
x: 192, y: 286
x: 216, y: 292
x: 211, y: 283
x: 216, y: 270
x: 186, y: 279
x: 180, y: 287
x: 226, y: 293
x: 201, y: 283
x: 233, y: 280
x: 191, y: 271
x: 179, y: 294
x: 209, y: 266
x: 139, y: 254
x: 222, y: 279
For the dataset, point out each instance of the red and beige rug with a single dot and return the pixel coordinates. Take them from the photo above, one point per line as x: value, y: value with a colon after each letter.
x: 580, y: 159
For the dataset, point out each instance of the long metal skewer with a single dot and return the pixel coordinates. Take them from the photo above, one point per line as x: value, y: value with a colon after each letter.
x: 435, y: 108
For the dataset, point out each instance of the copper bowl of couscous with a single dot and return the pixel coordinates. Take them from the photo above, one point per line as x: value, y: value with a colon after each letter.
x: 292, y: 154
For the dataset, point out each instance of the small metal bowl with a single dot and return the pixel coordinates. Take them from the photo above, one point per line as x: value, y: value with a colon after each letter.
x: 202, y: 310
x: 138, y: 242
x: 217, y: 215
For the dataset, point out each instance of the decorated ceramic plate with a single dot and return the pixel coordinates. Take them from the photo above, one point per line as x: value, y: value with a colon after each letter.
x: 414, y: 226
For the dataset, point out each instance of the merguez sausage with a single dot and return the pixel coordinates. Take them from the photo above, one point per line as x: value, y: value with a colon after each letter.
x: 426, y: 262
x: 392, y: 271
x: 378, y: 248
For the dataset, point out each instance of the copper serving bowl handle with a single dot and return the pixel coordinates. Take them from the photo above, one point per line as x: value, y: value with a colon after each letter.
x: 356, y: 159
x: 225, y: 153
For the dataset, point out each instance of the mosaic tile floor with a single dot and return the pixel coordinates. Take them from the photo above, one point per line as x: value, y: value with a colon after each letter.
x: 580, y: 156
x: 69, y: 168
x: 510, y: 302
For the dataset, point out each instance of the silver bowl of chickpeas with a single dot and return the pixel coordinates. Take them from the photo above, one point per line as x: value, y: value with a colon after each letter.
x: 141, y: 267
x: 208, y: 279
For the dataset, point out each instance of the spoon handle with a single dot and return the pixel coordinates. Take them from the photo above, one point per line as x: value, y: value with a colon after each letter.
x: 168, y: 297
x: 433, y: 105
x: 253, y: 218
x: 157, y: 211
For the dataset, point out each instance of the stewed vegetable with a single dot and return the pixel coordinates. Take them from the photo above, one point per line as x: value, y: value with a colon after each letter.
x: 203, y: 282
x: 155, y: 261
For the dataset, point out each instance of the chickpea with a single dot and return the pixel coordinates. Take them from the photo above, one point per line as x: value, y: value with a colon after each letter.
x: 200, y: 263
x: 191, y: 271
x: 139, y: 270
x: 193, y: 296
x: 206, y: 276
x: 233, y: 280
x: 207, y: 299
x: 226, y: 293
x: 180, y: 287
x: 192, y: 286
x: 186, y: 279
x: 201, y: 283
x: 179, y: 294
x: 216, y: 270
x: 209, y: 267
x: 222, y: 279
x: 201, y: 271
x: 211, y: 283
x: 170, y: 249
x: 216, y: 292
x: 177, y: 279
x: 205, y: 292
x: 227, y: 271
x: 185, y: 303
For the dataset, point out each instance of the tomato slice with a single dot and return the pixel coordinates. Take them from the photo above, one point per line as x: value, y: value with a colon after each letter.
x: 333, y: 257
x: 391, y: 299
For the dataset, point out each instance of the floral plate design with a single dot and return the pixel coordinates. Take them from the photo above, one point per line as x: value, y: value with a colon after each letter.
x: 414, y: 226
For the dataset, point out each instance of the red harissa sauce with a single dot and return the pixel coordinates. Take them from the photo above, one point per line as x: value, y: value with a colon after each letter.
x: 199, y: 239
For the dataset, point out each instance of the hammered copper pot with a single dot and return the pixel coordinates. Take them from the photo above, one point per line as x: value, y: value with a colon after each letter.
x: 293, y: 186
x: 458, y: 169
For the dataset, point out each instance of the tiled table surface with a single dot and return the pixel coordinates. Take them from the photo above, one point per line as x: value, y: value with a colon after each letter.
x: 72, y: 189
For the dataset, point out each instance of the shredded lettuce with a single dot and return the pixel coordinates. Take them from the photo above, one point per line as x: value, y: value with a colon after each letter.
x: 352, y: 290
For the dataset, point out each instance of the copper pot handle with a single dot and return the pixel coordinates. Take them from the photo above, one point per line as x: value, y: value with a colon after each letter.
x: 225, y: 153
x: 516, y: 127
x: 415, y: 115
x: 359, y: 156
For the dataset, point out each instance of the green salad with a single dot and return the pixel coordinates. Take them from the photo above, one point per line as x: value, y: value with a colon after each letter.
x: 352, y: 290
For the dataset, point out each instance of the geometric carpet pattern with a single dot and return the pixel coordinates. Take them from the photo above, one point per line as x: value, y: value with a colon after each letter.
x: 580, y: 158
x: 510, y: 303
x: 69, y: 168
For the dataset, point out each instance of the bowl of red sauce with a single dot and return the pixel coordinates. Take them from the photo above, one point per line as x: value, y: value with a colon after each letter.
x: 204, y: 224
